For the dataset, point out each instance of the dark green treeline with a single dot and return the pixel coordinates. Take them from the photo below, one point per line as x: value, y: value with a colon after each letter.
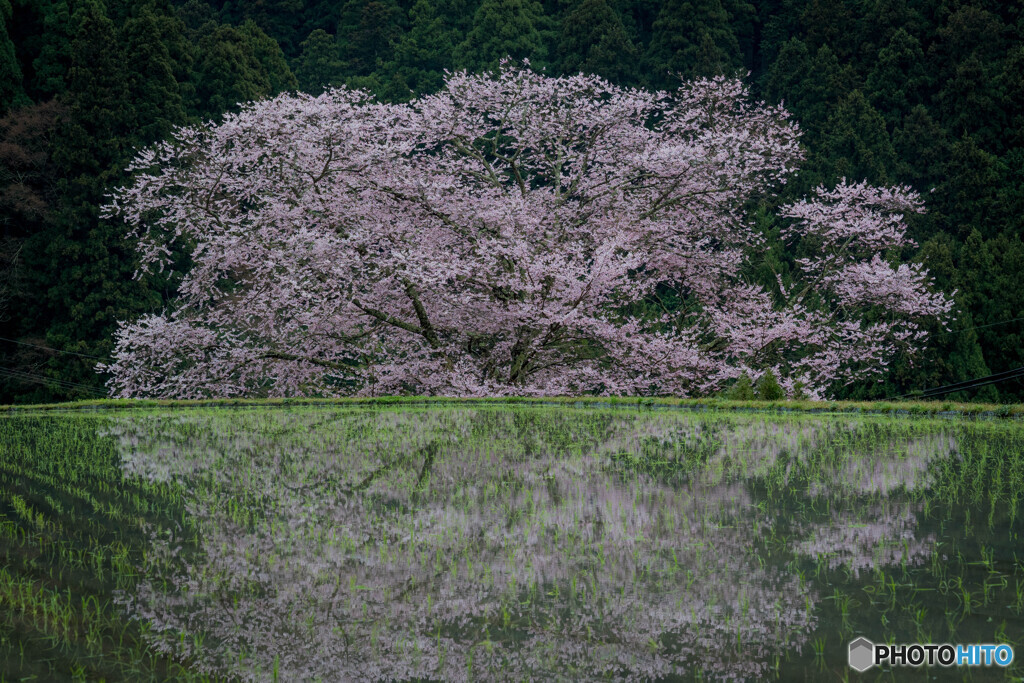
x: 928, y: 93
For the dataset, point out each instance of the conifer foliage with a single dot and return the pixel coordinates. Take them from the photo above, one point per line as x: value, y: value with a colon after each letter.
x: 925, y: 95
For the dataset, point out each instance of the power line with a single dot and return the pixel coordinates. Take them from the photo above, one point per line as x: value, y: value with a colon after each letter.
x: 981, y: 327
x: 41, y: 379
x: 47, y: 348
x: 967, y: 384
x: 940, y: 391
x: 995, y: 377
x: 57, y: 386
x: 62, y: 384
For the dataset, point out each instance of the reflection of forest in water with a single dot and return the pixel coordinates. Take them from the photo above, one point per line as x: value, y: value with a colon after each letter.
x: 516, y: 542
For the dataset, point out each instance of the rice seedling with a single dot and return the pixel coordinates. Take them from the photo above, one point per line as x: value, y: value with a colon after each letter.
x: 460, y: 540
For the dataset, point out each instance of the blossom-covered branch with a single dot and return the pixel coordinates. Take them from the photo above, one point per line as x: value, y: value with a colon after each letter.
x: 487, y: 239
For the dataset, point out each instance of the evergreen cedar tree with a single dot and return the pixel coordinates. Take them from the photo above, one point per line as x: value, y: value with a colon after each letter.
x: 496, y: 239
x: 928, y: 94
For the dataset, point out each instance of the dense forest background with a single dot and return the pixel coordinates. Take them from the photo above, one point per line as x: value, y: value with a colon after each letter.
x: 928, y: 93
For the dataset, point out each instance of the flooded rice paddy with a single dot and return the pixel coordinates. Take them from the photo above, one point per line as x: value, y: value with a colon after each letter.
x: 470, y: 542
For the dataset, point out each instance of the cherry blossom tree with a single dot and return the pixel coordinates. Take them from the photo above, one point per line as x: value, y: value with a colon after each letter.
x: 509, y: 235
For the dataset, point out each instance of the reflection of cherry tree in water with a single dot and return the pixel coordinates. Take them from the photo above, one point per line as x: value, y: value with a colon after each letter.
x: 827, y: 456
x: 854, y: 463
x: 455, y: 543
x: 883, y: 530
x: 878, y: 535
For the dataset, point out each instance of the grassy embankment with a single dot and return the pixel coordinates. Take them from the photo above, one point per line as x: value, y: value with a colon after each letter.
x: 922, y: 408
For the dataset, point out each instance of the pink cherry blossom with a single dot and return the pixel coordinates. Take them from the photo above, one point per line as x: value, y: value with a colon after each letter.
x: 487, y: 240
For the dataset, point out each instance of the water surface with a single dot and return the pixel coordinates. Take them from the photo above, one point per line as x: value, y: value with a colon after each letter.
x: 526, y: 542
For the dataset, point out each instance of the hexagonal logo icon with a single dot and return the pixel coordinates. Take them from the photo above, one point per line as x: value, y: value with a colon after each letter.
x: 862, y: 654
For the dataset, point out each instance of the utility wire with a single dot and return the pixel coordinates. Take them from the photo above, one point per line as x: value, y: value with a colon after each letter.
x: 967, y: 384
x: 47, y: 348
x: 981, y: 327
x: 92, y: 392
x: 995, y: 377
x: 940, y: 391
x: 63, y: 384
